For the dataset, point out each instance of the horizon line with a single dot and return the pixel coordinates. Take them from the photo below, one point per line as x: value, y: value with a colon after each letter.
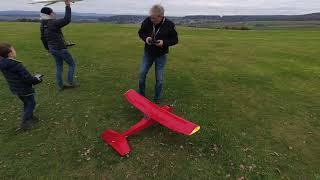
x: 111, y: 14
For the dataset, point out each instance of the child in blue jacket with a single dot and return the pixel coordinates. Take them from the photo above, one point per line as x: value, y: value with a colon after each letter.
x: 20, y: 82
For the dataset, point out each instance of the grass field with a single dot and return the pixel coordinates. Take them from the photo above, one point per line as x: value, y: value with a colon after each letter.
x: 256, y: 95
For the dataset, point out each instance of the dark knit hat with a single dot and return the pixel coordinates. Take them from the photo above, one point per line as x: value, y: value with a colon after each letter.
x: 46, y: 10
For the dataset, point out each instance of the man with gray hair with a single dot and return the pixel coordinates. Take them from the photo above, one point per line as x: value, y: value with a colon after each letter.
x: 158, y: 33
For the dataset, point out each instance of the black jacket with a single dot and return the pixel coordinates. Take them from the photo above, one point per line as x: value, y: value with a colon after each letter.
x: 51, y: 34
x: 167, y: 33
x: 19, y: 79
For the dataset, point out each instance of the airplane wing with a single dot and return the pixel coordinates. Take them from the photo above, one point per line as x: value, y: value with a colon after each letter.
x: 162, y: 116
x: 51, y: 3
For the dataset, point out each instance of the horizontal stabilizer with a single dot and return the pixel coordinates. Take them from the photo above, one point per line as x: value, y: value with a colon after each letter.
x: 117, y: 141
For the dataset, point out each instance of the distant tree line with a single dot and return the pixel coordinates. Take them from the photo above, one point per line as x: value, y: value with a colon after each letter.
x: 243, y: 28
x: 27, y: 20
x: 123, y: 19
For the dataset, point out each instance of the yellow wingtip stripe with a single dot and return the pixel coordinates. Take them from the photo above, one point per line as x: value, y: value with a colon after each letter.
x: 195, y: 130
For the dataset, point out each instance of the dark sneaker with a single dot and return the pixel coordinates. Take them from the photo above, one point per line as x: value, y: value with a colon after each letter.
x: 157, y: 101
x: 23, y: 128
x: 142, y: 93
x: 19, y: 130
x: 35, y: 119
x: 61, y: 88
x: 72, y: 85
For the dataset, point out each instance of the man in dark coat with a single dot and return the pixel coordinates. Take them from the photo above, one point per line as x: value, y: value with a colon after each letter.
x: 158, y: 33
x: 20, y: 82
x: 53, y: 40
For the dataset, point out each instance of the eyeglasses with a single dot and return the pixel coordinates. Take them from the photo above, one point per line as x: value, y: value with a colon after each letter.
x: 155, y: 16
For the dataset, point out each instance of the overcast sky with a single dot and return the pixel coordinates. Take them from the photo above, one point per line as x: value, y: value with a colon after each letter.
x: 180, y: 7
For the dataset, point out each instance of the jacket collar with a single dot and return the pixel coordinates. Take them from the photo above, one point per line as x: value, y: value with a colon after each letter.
x: 13, y: 60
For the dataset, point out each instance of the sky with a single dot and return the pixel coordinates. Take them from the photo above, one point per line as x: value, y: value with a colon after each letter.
x: 179, y: 7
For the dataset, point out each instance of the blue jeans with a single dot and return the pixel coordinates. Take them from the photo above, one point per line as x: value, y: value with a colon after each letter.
x: 60, y: 56
x: 147, y: 62
x: 29, y: 105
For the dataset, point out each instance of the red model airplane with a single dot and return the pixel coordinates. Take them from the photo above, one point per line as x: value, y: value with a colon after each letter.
x: 153, y: 114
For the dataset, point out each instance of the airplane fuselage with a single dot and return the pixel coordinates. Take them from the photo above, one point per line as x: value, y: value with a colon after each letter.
x: 49, y: 2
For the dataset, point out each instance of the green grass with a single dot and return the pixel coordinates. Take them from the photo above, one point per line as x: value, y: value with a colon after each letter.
x: 256, y: 95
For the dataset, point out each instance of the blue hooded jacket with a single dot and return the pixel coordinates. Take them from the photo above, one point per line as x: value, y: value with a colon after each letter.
x: 19, y: 79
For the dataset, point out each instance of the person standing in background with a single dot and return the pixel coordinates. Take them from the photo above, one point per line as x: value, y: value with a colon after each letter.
x: 53, y: 40
x: 158, y: 33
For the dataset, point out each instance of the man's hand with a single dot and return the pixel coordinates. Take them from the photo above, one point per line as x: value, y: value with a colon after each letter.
x: 68, y: 2
x: 149, y: 40
x: 160, y: 43
x: 39, y: 77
